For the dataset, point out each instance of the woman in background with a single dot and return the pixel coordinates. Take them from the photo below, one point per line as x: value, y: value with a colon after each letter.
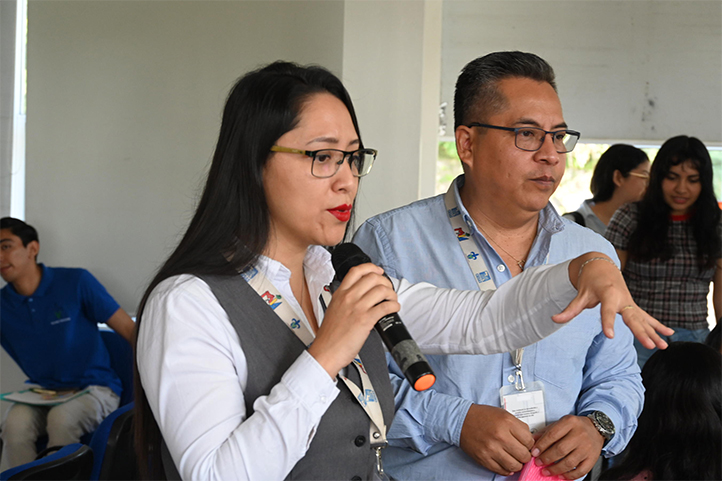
x: 620, y: 176
x: 679, y: 435
x: 669, y: 244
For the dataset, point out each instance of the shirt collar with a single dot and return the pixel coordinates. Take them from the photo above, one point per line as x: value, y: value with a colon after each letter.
x: 550, y: 220
x: 45, y: 281
x: 317, y: 264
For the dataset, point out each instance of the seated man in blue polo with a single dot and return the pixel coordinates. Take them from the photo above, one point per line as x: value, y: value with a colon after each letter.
x: 49, y: 326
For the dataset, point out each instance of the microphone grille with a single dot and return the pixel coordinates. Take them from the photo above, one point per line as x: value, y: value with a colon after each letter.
x: 345, y: 256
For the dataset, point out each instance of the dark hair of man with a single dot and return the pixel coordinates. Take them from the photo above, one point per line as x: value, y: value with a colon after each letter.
x: 230, y: 227
x: 649, y: 239
x: 25, y: 232
x: 679, y: 433
x: 621, y: 157
x: 477, y: 95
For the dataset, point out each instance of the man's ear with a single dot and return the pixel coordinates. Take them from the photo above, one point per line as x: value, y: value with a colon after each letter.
x: 617, y: 178
x: 464, y: 141
x: 33, y: 248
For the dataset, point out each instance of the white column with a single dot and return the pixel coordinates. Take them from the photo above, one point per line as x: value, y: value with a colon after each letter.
x: 391, y: 67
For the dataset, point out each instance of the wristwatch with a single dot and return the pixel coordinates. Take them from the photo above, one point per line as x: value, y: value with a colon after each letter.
x: 604, y: 425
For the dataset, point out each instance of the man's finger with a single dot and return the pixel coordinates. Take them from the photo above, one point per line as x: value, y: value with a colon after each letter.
x: 508, y: 465
x: 524, y: 437
x: 493, y: 465
x: 551, y: 435
x: 573, y: 466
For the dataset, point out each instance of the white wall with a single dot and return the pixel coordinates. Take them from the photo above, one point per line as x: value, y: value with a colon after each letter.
x: 635, y: 70
x: 391, y: 67
x: 124, y: 105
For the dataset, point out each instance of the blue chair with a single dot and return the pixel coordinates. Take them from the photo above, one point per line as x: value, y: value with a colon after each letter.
x: 112, y: 445
x: 74, y: 461
x: 121, y: 360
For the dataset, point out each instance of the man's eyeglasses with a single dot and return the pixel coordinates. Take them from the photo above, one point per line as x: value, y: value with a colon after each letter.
x: 531, y: 139
x: 325, y: 163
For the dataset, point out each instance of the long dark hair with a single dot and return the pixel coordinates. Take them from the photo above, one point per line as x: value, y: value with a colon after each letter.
x: 621, y: 157
x: 230, y: 227
x: 649, y: 239
x: 680, y: 429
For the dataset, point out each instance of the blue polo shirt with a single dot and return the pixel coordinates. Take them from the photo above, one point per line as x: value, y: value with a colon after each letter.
x: 53, y: 334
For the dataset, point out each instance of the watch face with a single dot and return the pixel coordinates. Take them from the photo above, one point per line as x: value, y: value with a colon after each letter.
x: 604, y: 422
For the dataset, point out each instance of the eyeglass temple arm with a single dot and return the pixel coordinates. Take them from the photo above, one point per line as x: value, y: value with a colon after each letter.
x: 278, y: 148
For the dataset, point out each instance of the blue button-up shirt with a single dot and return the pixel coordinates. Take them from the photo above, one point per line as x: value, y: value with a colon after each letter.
x: 580, y: 368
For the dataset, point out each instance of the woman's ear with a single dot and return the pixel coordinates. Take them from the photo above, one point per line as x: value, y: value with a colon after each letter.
x: 617, y: 178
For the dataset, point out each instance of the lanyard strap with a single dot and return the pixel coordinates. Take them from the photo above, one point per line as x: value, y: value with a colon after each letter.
x: 366, y: 397
x: 368, y: 401
x: 268, y: 292
x: 478, y: 267
x: 467, y: 243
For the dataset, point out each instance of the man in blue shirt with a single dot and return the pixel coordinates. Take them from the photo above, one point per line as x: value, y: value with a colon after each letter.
x: 49, y: 326
x: 495, y: 221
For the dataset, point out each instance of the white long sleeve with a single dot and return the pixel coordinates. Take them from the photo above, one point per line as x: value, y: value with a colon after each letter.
x: 518, y: 314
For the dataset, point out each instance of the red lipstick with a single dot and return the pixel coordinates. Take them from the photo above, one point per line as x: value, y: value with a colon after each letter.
x: 341, y: 212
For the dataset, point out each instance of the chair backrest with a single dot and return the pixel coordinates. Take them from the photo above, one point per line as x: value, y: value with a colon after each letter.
x: 74, y: 461
x: 121, y: 360
x: 112, y: 444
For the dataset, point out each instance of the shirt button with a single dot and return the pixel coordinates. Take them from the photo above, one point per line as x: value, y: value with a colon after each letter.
x: 510, y: 378
x: 30, y: 300
x: 359, y: 441
x: 322, y: 399
x: 500, y: 268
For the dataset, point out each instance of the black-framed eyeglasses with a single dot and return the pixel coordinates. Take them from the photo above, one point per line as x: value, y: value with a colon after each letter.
x: 531, y: 139
x: 326, y: 162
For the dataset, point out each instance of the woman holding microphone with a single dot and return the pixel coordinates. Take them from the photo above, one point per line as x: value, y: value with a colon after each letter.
x: 225, y: 390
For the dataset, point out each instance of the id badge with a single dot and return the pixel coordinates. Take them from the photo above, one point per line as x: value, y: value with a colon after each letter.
x: 526, y: 405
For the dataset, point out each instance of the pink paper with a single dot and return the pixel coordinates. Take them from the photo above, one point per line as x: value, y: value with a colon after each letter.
x: 532, y: 472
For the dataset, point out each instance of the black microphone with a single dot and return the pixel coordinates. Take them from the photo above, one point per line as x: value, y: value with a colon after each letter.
x: 397, y: 339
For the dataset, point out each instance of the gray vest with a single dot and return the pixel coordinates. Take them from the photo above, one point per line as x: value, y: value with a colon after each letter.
x: 340, y: 448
